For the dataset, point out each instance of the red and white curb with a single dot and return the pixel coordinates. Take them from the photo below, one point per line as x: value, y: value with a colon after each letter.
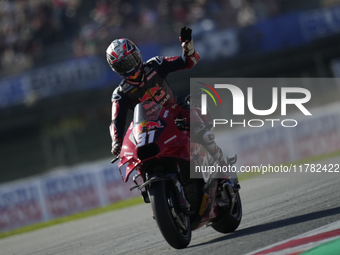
x: 304, y: 242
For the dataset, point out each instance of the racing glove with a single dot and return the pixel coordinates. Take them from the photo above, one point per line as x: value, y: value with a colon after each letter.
x: 186, y: 41
x: 116, y: 147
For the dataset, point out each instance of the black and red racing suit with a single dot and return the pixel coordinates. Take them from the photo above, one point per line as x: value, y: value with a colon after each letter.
x: 153, y: 87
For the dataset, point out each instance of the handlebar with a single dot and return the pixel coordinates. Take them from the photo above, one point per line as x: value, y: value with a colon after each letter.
x: 115, y: 159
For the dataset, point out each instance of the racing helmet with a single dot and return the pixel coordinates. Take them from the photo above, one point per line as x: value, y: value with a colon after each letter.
x: 124, y: 58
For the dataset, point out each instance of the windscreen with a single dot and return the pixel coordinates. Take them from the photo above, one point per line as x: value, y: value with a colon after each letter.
x: 145, y: 111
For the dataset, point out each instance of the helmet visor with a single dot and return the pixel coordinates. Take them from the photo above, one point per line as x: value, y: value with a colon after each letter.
x: 127, y: 65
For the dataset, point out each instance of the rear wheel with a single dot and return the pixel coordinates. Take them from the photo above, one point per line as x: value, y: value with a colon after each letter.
x: 174, y: 225
x: 231, y: 220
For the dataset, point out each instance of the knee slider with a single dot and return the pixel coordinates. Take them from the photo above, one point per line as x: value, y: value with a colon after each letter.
x: 204, y: 137
x: 208, y: 137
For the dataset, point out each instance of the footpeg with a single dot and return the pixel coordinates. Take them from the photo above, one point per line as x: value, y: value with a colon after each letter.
x: 232, y: 161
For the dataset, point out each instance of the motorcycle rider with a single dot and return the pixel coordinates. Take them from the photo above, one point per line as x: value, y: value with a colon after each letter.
x: 147, y: 81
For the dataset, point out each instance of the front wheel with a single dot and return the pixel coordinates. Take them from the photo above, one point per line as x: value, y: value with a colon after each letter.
x: 174, y: 225
x: 231, y: 220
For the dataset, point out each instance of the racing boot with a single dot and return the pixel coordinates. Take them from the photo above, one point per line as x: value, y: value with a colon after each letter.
x: 207, y: 139
x: 218, y: 157
x: 211, y: 146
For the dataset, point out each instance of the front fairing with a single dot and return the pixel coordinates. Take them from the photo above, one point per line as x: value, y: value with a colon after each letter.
x: 152, y: 134
x: 128, y: 157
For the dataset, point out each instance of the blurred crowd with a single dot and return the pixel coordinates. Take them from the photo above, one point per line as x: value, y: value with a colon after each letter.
x: 31, y: 28
x: 28, y: 26
x: 161, y: 20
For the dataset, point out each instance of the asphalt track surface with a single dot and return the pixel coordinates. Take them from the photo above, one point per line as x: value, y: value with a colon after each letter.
x: 274, y: 208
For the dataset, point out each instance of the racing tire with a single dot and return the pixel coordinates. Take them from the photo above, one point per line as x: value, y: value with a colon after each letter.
x: 230, y: 221
x: 164, y: 205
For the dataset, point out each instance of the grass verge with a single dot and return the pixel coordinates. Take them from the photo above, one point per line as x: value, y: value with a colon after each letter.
x: 76, y: 216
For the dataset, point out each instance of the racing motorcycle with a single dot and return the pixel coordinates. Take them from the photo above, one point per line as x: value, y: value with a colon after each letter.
x: 159, y: 150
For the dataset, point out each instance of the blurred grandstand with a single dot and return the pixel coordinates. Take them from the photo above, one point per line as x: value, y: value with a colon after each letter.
x: 55, y: 86
x: 37, y: 32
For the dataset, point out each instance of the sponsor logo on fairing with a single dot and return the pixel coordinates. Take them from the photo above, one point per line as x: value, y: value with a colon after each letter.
x: 170, y: 139
x: 145, y: 126
x: 153, y: 124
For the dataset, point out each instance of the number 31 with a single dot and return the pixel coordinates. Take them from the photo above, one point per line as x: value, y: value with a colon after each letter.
x: 141, y: 141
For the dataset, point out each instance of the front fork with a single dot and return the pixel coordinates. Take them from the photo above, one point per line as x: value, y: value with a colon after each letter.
x: 144, y: 192
x: 234, y: 179
x: 228, y: 187
x: 183, y: 202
